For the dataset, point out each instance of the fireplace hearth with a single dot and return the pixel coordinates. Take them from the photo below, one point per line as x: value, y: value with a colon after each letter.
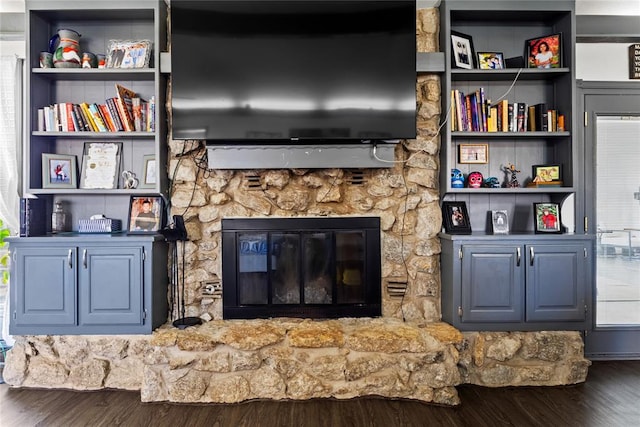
x: 301, y: 267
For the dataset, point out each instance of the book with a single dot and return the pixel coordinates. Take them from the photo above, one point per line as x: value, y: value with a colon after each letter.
x: 113, y: 111
x: 33, y: 217
x: 82, y: 124
x: 68, y: 107
x: 97, y: 118
x: 88, y: 117
x: 104, y: 112
x: 125, y: 97
x: 136, y: 104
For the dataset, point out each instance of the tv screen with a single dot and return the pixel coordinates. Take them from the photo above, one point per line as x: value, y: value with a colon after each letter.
x: 330, y: 70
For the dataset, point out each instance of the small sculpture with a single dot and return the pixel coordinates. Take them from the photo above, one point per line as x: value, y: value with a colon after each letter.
x: 513, y: 181
x: 474, y: 180
x: 457, y: 178
x: 130, y: 180
x: 491, y: 182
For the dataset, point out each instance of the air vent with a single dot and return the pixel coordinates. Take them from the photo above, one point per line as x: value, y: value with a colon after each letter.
x: 252, y: 181
x: 212, y: 288
x: 396, y: 287
x: 357, y: 177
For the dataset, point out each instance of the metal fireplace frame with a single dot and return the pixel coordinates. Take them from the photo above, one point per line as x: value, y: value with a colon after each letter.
x: 370, y: 226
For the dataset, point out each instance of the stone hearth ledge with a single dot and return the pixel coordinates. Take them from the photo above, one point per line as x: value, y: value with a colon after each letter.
x: 229, y: 361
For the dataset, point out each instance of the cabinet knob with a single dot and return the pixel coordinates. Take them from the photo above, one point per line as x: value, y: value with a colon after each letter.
x: 70, y: 258
x: 518, y: 256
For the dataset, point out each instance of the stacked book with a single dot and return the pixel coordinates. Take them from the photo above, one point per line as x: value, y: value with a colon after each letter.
x: 126, y: 112
x: 474, y: 113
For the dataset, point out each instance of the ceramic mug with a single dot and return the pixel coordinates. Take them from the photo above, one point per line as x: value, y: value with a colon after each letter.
x: 46, y: 60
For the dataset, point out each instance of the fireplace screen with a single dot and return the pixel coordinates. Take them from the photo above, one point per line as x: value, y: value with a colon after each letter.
x: 301, y: 267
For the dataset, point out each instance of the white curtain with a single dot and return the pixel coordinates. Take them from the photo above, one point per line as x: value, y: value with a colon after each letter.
x: 10, y: 84
x: 10, y: 125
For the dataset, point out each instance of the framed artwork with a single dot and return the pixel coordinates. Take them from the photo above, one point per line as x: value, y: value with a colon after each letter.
x: 100, y: 165
x: 500, y: 222
x: 129, y: 54
x: 456, y: 218
x: 473, y: 153
x: 145, y: 214
x: 462, y: 50
x: 59, y: 171
x: 490, y: 61
x: 547, y: 217
x: 149, y: 171
x: 547, y: 173
x: 544, y: 52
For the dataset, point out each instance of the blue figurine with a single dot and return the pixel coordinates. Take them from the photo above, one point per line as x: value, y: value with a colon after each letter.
x: 491, y: 182
x: 457, y: 178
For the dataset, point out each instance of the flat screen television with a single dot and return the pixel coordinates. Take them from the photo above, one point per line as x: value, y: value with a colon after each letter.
x: 293, y: 70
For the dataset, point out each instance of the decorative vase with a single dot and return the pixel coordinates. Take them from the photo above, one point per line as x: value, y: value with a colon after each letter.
x: 65, y: 47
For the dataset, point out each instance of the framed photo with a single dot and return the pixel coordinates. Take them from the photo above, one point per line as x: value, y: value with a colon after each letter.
x: 59, y: 171
x: 544, y: 52
x: 145, y: 214
x: 462, y: 50
x: 547, y: 173
x: 547, y: 217
x: 500, y: 222
x: 149, y: 171
x: 101, y: 165
x: 473, y: 153
x: 129, y: 54
x: 456, y: 218
x: 490, y: 61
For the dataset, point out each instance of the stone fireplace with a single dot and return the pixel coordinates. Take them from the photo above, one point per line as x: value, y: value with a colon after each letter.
x: 301, y: 267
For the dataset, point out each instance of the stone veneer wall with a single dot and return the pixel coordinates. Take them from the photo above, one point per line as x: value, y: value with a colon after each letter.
x: 404, y: 196
x: 231, y: 361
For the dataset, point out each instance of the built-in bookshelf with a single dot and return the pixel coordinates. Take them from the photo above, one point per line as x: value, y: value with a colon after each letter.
x: 68, y: 107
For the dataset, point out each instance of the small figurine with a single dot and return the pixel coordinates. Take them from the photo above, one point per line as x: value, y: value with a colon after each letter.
x: 474, y: 180
x: 491, y: 182
x: 129, y: 179
x: 457, y: 178
x: 511, y: 169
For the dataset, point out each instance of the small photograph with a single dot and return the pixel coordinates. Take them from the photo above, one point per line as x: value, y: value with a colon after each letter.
x: 490, y: 61
x: 129, y: 54
x: 544, y: 52
x: 547, y: 173
x: 145, y: 214
x: 462, y: 50
x: 59, y: 171
x: 547, y: 217
x: 500, y: 222
x: 473, y: 153
x: 149, y: 171
x: 456, y: 218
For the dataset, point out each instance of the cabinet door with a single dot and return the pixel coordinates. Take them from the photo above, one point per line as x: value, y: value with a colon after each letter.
x: 556, y: 282
x: 45, y: 286
x: 492, y: 283
x: 110, y: 286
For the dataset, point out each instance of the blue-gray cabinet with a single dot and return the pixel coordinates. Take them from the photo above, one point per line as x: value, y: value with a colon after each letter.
x: 516, y: 282
x: 88, y: 285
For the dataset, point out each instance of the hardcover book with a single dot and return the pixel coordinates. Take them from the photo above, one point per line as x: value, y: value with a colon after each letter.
x: 33, y: 217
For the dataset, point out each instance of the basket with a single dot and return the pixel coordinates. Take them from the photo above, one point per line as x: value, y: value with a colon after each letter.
x: 104, y: 225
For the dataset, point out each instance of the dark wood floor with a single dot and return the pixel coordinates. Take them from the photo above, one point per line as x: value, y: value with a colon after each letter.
x: 609, y: 398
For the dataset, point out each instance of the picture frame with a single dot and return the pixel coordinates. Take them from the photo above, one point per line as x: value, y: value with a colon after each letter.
x: 500, y: 222
x: 129, y: 54
x: 547, y: 218
x: 59, y: 171
x: 149, y: 171
x: 101, y: 165
x: 145, y: 214
x: 539, y: 57
x: 456, y: 218
x: 473, y: 153
x: 462, y: 50
x: 547, y: 173
x: 491, y: 61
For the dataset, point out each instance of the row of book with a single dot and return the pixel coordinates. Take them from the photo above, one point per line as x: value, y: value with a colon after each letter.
x: 474, y: 113
x: 125, y: 112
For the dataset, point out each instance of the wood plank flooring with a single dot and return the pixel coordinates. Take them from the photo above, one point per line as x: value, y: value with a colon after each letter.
x: 609, y: 398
